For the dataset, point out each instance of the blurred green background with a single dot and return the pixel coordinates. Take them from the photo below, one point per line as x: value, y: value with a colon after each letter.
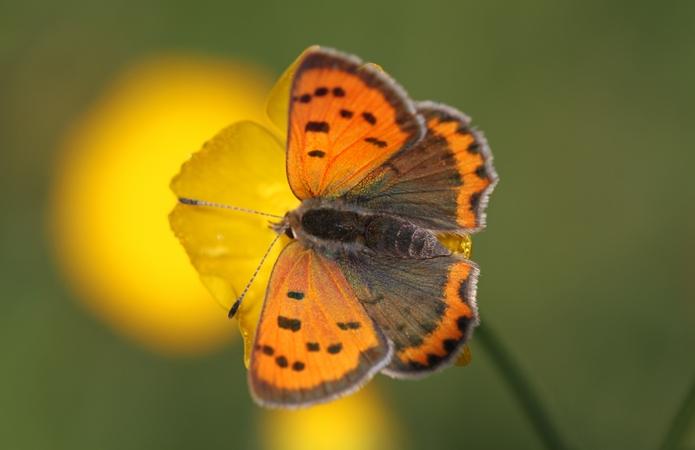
x: 587, y: 262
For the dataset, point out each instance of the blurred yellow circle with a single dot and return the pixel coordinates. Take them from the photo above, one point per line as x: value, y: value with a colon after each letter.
x: 361, y: 421
x: 111, y: 197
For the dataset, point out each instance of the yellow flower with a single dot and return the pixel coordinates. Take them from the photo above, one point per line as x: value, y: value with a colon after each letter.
x: 243, y: 165
x: 110, y: 198
x: 357, y: 422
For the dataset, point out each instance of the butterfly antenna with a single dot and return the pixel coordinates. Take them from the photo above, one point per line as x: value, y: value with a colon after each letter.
x: 194, y: 202
x: 237, y: 303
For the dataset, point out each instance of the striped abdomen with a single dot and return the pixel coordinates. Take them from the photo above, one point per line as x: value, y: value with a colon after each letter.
x: 395, y: 237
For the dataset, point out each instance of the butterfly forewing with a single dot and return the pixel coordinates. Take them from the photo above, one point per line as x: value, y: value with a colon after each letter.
x: 346, y: 119
x: 314, y: 340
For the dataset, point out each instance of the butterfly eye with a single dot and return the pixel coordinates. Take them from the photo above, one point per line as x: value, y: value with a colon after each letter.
x: 290, y: 233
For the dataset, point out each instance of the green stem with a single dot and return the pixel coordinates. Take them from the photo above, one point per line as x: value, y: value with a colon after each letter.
x: 679, y: 424
x: 522, y: 390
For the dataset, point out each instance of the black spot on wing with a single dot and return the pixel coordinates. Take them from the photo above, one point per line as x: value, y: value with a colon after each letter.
x: 296, y: 295
x: 267, y: 350
x: 463, y: 129
x: 348, y: 325
x: 281, y: 361
x: 474, y: 201
x: 463, y: 323
x: 334, y: 348
x: 369, y: 117
x: 317, y: 153
x: 321, y: 91
x: 481, y: 171
x: 346, y: 113
x: 317, y: 127
x: 306, y: 98
x: 289, y: 324
x: 338, y: 92
x: 450, y: 345
x: 298, y: 366
x: 433, y: 360
x: 376, y: 142
x: 313, y: 346
x: 474, y: 148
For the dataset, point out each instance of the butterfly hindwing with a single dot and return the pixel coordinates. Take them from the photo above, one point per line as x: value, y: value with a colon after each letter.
x: 425, y: 307
x: 346, y: 119
x: 314, y: 341
x: 441, y: 183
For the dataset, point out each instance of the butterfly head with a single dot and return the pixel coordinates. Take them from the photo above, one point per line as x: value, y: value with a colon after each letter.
x: 287, y: 225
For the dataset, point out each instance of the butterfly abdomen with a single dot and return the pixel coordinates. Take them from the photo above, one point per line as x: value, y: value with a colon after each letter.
x: 331, y: 228
x: 396, y: 237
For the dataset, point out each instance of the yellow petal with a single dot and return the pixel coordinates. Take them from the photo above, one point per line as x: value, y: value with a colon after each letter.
x: 244, y: 166
x: 277, y: 105
x: 357, y: 422
x: 111, y: 198
x: 457, y: 244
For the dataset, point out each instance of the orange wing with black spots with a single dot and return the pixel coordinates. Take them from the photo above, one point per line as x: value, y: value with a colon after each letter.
x: 442, y: 183
x: 346, y: 119
x: 314, y: 342
x: 425, y: 307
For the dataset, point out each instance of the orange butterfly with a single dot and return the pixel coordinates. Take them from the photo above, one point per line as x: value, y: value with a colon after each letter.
x: 366, y: 286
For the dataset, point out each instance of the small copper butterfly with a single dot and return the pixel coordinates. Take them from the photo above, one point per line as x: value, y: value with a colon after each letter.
x: 366, y: 286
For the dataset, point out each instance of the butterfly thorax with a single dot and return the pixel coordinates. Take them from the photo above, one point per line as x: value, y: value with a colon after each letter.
x: 335, y: 227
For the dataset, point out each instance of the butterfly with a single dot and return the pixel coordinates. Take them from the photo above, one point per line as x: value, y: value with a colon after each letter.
x: 365, y: 285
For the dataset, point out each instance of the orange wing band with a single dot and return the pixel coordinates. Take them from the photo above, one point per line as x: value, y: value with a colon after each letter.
x: 473, y: 163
